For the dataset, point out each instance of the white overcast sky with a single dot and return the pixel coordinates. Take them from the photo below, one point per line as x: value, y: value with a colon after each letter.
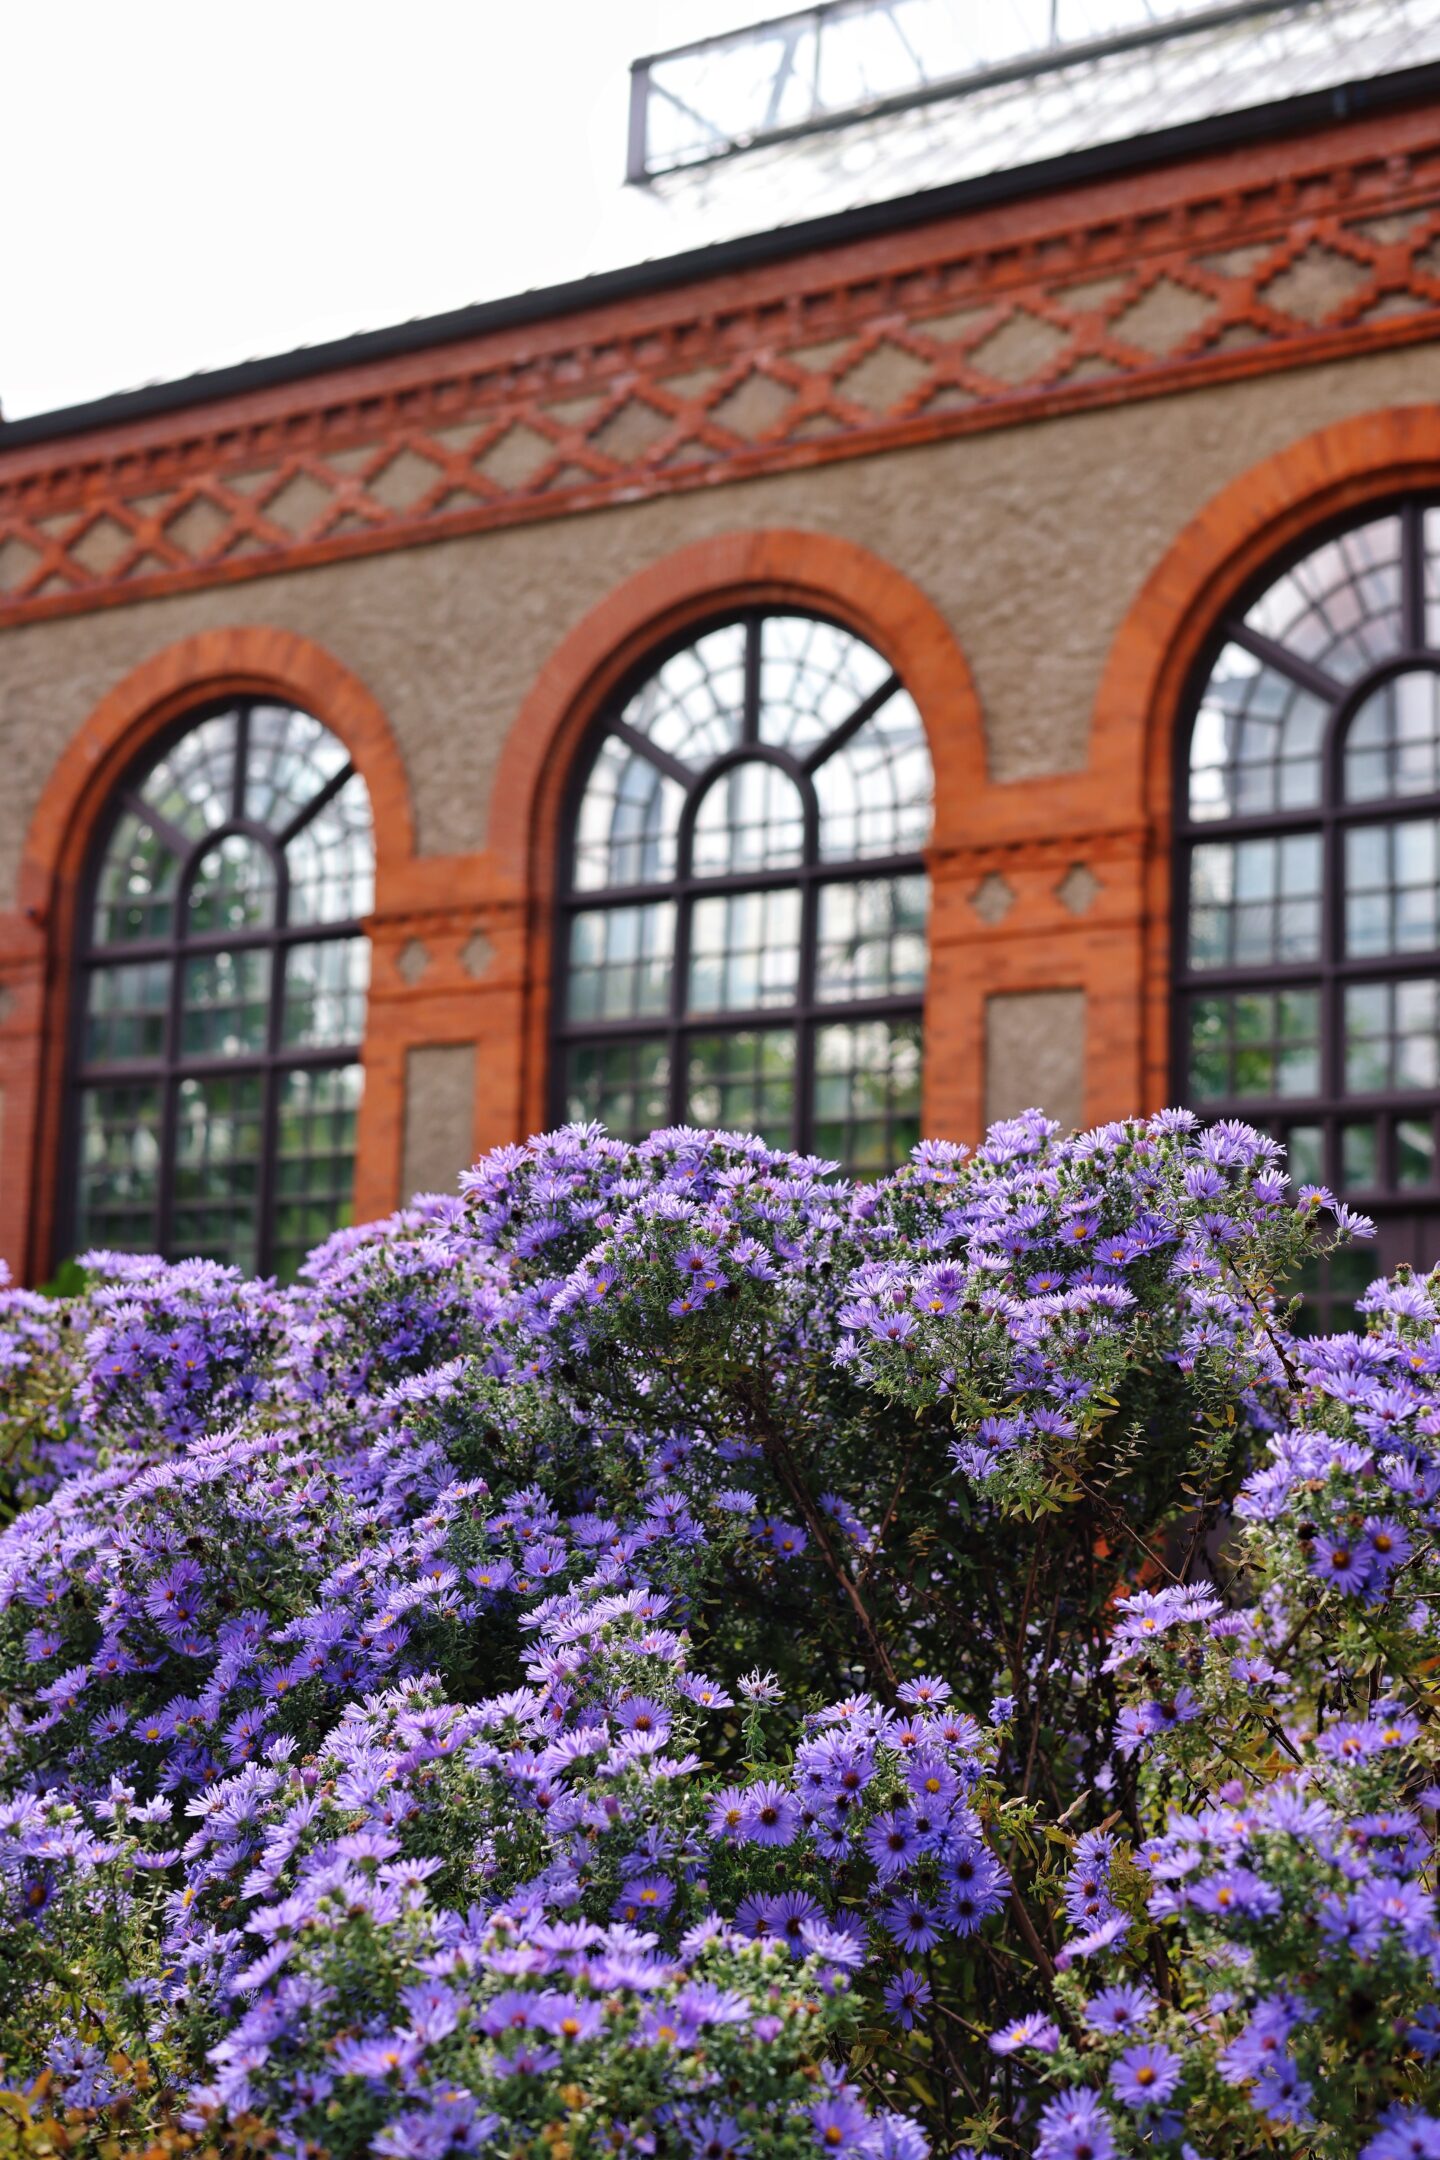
x: 185, y: 183
x: 188, y: 183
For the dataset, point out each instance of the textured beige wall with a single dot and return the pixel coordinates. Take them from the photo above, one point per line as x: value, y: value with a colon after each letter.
x: 439, y: 1117
x: 1033, y: 540
x: 1035, y: 1054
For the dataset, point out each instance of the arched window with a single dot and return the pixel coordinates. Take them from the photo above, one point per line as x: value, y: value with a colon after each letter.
x: 1309, y: 962
x: 222, y: 974
x: 744, y: 897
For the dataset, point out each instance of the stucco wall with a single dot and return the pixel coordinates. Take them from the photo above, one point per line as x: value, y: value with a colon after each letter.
x: 1032, y: 541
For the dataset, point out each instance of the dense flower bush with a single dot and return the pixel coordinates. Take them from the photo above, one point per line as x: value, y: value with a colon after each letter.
x: 671, y: 1652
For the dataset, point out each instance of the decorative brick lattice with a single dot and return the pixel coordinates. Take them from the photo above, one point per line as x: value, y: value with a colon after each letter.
x: 1315, y: 264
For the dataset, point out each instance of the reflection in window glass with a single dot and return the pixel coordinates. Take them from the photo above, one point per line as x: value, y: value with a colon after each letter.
x: 624, y: 1084
x: 1340, y: 608
x: 1415, y: 1152
x: 1253, y: 1043
x: 1255, y: 902
x: 867, y: 1093
x: 872, y: 938
x: 771, y: 758
x: 744, y: 951
x: 1392, y: 887
x: 620, y: 961
x: 743, y: 1081
x: 1392, y: 1036
x: 1392, y: 746
x: 751, y: 818
x: 204, y: 1012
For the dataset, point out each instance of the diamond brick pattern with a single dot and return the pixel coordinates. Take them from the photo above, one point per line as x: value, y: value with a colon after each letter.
x: 960, y: 336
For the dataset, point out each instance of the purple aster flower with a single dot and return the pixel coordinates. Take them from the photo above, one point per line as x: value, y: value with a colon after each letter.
x: 1118, y: 2009
x: 1341, y: 1562
x: 1034, y: 2030
x: 1074, y: 2126
x: 713, y: 2136
x: 912, y: 1923
x: 1146, y: 2076
x: 906, y: 1997
x: 772, y: 1815
x: 839, y: 2125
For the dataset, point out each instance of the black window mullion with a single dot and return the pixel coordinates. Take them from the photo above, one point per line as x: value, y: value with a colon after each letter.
x: 750, y: 713
x: 1412, y: 576
x: 242, y: 762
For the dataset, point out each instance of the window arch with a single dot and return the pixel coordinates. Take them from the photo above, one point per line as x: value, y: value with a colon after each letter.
x: 222, y: 974
x: 744, y: 899
x: 1309, y: 873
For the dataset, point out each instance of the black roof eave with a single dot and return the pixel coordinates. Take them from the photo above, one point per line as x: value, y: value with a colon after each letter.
x: 1167, y: 145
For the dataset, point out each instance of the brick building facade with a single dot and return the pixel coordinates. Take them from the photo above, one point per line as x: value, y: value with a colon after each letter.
x: 1031, y: 441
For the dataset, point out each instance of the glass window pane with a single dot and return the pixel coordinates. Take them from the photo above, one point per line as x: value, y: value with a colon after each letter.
x: 1255, y: 902
x: 744, y: 951
x: 1392, y: 1036
x: 135, y: 895
x: 225, y: 1008
x: 813, y: 677
x: 193, y: 785
x: 1305, y: 1154
x: 219, y: 1143
x: 629, y: 821
x: 625, y: 1085
x: 620, y: 962
x: 875, y: 791
x: 316, y: 1115
x: 1392, y: 893
x: 1340, y: 607
x: 126, y: 1010
x: 867, y: 1094
x: 118, y: 1180
x: 1256, y: 740
x: 744, y: 1082
x: 1414, y: 1152
x: 233, y: 887
x: 1392, y: 746
x: 871, y: 939
x: 1360, y: 1155
x: 331, y: 860
x: 693, y: 705
x: 325, y: 988
x: 1251, y: 1043
x: 751, y: 818
x: 289, y: 758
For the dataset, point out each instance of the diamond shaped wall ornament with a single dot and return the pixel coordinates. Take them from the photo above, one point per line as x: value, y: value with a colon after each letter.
x: 754, y: 407
x: 1091, y: 294
x: 819, y: 359
x: 199, y: 528
x: 1317, y: 282
x: 1023, y: 346
x: 298, y: 503
x: 959, y: 323
x: 575, y: 411
x: 17, y: 562
x: 1078, y: 889
x: 476, y: 954
x: 992, y: 898
x: 106, y: 543
x: 404, y: 481
x: 631, y: 431
x: 412, y: 960
x: 1163, y: 317
x: 885, y: 377
x: 693, y: 383
x: 516, y: 456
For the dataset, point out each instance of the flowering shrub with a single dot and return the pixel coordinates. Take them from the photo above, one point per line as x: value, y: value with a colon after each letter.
x: 669, y: 1651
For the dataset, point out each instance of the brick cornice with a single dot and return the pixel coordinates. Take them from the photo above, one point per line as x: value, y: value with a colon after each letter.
x: 1270, y: 256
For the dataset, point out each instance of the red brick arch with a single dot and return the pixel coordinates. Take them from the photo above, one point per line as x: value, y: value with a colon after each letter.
x: 246, y: 661
x: 1137, y: 711
x: 776, y: 568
